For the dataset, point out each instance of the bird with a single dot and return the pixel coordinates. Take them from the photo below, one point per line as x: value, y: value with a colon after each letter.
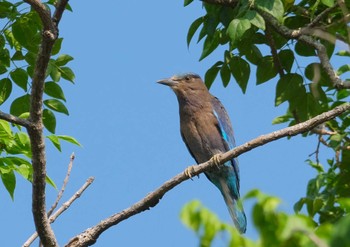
x: 207, y: 131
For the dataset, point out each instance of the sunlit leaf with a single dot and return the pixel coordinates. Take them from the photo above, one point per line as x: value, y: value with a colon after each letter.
x: 56, y: 105
x: 69, y: 139
x: 54, y: 90
x: 20, y: 105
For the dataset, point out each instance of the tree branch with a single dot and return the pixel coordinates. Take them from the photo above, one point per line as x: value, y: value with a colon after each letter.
x: 60, y: 7
x: 63, y: 208
x: 297, y: 34
x: 35, y: 129
x: 13, y: 119
x: 65, y: 182
x: 45, y: 17
x: 90, y: 235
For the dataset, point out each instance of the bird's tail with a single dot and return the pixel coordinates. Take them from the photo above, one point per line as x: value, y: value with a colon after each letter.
x: 234, y: 207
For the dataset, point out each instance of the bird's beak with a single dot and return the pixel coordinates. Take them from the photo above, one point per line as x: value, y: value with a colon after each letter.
x: 168, y: 82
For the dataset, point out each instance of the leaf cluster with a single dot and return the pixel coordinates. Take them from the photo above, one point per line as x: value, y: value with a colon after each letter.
x: 275, y: 228
x: 301, y: 47
x: 20, y: 39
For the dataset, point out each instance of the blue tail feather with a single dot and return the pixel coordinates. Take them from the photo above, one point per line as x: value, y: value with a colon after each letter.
x: 234, y: 206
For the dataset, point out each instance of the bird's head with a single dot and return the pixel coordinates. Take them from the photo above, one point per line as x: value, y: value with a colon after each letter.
x: 185, y: 85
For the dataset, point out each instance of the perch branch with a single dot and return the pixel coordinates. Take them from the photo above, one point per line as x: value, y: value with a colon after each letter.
x: 63, y: 208
x: 90, y: 235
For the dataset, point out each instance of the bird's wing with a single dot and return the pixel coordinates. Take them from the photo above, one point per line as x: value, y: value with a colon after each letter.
x: 225, y: 128
x: 188, y: 147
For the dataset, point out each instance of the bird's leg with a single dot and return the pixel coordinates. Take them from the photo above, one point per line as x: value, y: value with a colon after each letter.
x: 188, y: 172
x: 216, y: 160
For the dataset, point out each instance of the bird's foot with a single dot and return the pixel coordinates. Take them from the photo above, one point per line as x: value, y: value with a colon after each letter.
x: 189, y: 171
x: 216, y: 160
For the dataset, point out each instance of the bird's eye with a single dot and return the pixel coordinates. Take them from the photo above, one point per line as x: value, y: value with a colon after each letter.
x: 187, y: 78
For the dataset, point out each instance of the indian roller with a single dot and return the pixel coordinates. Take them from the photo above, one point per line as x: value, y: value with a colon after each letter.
x: 206, y: 130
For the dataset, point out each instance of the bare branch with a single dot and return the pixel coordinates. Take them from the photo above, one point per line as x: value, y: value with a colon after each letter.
x: 63, y: 208
x: 65, y: 182
x: 13, y: 119
x: 90, y: 235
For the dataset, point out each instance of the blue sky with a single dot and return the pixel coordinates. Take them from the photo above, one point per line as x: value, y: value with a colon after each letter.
x: 129, y: 128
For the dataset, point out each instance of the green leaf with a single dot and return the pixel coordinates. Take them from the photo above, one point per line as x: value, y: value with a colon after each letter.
x: 55, y: 141
x: 187, y: 2
x: 287, y: 87
x: 9, y: 181
x: 343, y: 53
x: 63, y: 59
x: 343, y: 69
x: 211, y: 74
x: 3, y: 69
x: 255, y: 19
x: 17, y: 56
x: 281, y: 119
x: 20, y: 77
x: 287, y: 59
x: 49, y: 120
x: 193, y: 28
x: 240, y: 70
x: 67, y: 73
x: 250, y: 51
x: 55, y: 74
x: 69, y: 139
x: 328, y: 3
x: 237, y: 28
x: 275, y: 7
x: 5, y: 89
x: 210, y: 44
x: 225, y: 74
x: 30, y: 58
x: 26, y: 171
x: 50, y: 182
x: 25, y: 30
x: 56, y: 105
x: 5, y: 128
x: 304, y: 50
x: 265, y: 70
x: 54, y: 90
x: 5, y: 58
x: 20, y: 105
x: 57, y: 46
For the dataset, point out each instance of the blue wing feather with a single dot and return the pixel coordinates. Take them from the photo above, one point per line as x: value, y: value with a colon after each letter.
x: 230, y: 188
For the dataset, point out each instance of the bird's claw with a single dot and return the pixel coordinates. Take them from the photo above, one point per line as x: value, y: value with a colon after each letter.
x: 216, y: 160
x: 189, y: 171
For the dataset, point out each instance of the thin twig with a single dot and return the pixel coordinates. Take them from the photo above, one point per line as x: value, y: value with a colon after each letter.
x: 60, y: 194
x: 63, y: 208
x: 90, y: 235
x: 65, y: 182
x: 318, y: 18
